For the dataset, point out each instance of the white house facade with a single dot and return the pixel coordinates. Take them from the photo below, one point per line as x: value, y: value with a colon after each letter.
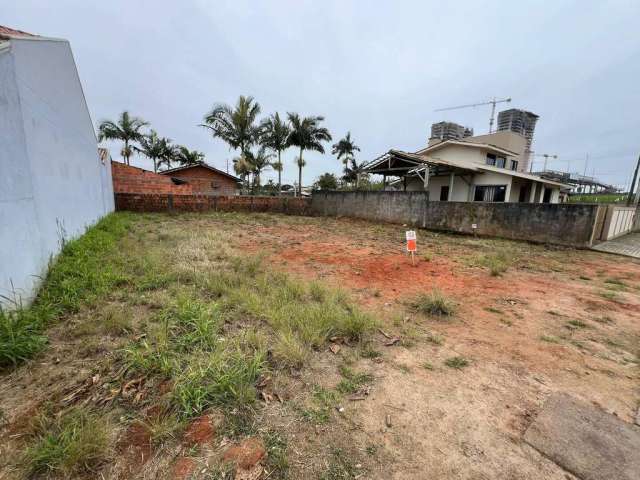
x: 53, y: 183
x: 465, y: 171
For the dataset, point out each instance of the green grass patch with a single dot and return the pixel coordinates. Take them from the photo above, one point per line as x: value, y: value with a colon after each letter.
x: 434, y: 303
x: 74, y: 443
x: 458, y: 362
x: 322, y: 403
x: 226, y: 377
x: 340, y: 467
x: 435, y: 339
x: 575, y: 324
x: 87, y: 269
x: 352, y: 380
x: 494, y: 310
x: 549, y: 339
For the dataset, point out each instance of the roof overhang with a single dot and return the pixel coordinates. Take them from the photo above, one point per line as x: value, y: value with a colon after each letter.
x: 403, y: 164
x: 399, y: 163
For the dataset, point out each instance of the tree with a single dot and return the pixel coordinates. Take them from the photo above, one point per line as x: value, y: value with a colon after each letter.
x: 306, y: 134
x: 326, y: 181
x: 127, y: 129
x: 274, y: 133
x: 345, y: 150
x: 184, y: 156
x: 235, y: 126
x: 352, y: 173
x: 158, y: 149
x: 258, y: 161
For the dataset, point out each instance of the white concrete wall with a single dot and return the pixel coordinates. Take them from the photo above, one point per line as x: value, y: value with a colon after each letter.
x: 53, y: 184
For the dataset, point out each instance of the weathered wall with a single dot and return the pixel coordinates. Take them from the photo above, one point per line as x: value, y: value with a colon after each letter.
x: 52, y: 182
x: 200, y: 203
x: 562, y: 224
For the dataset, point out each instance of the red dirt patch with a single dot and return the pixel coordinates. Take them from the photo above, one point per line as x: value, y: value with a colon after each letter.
x: 200, y: 431
x: 136, y: 447
x: 183, y: 468
x: 246, y: 454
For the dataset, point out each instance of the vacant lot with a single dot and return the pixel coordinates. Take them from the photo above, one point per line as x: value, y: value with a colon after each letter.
x: 264, y: 346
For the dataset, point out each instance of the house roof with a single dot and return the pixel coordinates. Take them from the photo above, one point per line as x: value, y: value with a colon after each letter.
x: 203, y: 165
x: 485, y: 146
x: 11, y: 32
x: 397, y: 162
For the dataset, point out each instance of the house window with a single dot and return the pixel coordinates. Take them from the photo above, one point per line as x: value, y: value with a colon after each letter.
x: 491, y: 159
x: 514, y: 165
x: 501, y: 162
x: 490, y: 193
x: 444, y: 193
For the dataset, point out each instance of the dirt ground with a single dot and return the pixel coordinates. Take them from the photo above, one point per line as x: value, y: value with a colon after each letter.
x: 468, y: 423
x: 555, y: 320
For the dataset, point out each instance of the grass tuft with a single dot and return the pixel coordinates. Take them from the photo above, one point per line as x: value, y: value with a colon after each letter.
x: 458, y: 362
x: 433, y: 303
x: 352, y: 381
x: 76, y: 442
x: 224, y: 378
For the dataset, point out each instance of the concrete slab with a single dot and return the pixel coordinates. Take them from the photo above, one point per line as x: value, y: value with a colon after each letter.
x: 586, y: 441
x: 628, y: 245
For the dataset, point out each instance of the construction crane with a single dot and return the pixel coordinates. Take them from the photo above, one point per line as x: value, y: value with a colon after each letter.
x: 546, y: 157
x: 492, y: 102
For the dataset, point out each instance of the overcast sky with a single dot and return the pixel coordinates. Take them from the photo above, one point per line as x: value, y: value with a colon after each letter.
x: 378, y: 69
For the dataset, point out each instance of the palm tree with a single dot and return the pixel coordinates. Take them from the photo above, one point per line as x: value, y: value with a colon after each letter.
x: 243, y: 168
x: 259, y: 161
x: 352, y: 173
x: 235, y: 126
x: 184, y: 156
x: 345, y: 150
x: 274, y: 133
x: 158, y: 149
x: 306, y: 134
x: 127, y: 129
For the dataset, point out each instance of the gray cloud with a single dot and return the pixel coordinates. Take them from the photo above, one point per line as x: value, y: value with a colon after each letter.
x: 378, y: 69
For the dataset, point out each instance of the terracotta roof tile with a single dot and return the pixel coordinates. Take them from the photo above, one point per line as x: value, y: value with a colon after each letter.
x: 10, y: 32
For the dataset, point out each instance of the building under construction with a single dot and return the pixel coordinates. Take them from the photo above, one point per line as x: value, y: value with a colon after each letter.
x: 449, y: 131
x: 519, y: 121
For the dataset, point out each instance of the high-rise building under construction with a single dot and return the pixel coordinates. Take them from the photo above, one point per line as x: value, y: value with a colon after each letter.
x: 524, y: 123
x: 449, y: 131
x: 519, y: 121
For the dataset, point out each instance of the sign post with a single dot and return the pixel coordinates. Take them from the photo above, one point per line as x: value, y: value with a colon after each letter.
x: 411, y: 244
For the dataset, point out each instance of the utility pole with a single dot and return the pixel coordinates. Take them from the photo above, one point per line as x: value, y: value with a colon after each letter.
x: 633, y: 183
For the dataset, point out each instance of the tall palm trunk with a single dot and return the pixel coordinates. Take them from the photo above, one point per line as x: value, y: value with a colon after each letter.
x: 126, y: 151
x: 279, y: 174
x: 300, y: 174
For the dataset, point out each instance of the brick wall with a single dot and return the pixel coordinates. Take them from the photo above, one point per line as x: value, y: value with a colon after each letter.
x: 162, y: 202
x: 206, y: 181
x: 127, y: 179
